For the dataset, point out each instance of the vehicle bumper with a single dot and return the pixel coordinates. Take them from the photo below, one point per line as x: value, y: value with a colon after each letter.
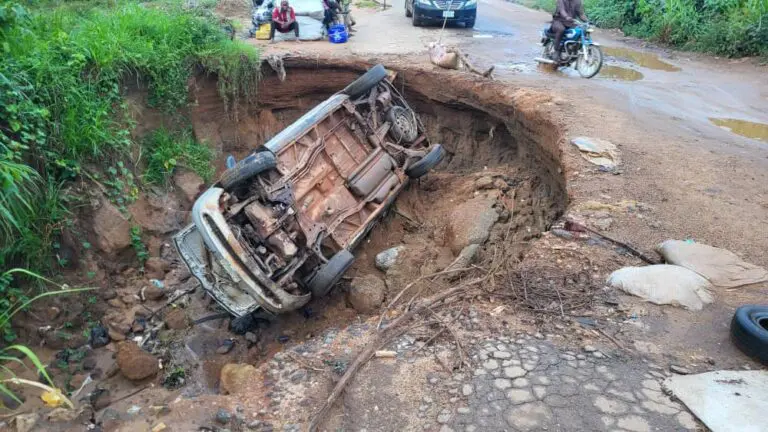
x: 243, y: 277
x: 432, y: 14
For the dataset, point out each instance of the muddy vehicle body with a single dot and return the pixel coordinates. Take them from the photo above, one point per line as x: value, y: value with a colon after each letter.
x: 279, y: 226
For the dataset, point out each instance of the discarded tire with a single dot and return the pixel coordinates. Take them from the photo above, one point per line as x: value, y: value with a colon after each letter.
x: 749, y: 331
x: 366, y: 82
x: 330, y: 273
x: 423, y: 165
x: 247, y: 168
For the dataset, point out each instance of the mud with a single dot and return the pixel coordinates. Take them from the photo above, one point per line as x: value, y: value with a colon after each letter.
x: 644, y: 59
x: 620, y: 73
x: 758, y: 131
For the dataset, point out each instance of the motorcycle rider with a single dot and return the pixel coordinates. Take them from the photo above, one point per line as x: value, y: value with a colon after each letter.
x: 562, y: 19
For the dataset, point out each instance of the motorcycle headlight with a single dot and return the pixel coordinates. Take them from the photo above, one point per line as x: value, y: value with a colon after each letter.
x: 590, y: 30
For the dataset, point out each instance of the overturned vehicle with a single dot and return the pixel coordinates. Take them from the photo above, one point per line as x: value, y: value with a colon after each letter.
x: 279, y: 226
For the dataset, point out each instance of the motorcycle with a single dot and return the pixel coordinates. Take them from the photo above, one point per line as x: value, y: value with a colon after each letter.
x: 578, y: 49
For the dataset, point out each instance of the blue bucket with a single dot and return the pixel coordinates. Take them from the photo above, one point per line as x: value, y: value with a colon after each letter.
x: 338, y: 34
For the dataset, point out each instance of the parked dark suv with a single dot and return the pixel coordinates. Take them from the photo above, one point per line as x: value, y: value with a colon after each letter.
x: 435, y: 11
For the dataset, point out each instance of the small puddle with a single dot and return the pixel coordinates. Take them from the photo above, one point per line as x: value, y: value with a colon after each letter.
x: 620, y: 73
x: 758, y: 131
x: 648, y: 60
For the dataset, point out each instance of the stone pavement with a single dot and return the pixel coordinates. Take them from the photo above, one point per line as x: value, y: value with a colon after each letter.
x: 529, y: 384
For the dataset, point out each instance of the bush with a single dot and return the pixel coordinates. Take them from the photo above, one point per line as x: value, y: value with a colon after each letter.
x: 724, y: 27
x: 62, y: 107
x: 170, y: 150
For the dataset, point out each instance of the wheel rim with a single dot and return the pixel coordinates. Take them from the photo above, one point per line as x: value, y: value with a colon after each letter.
x: 404, y: 124
x: 592, y: 66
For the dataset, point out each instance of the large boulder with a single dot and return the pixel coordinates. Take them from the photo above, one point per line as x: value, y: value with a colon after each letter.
x: 189, y: 183
x: 235, y: 378
x: 135, y: 363
x: 471, y: 223
x: 366, y: 294
x: 112, y: 229
x: 159, y: 214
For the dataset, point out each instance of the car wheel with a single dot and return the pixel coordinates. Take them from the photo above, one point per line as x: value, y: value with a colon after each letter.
x: 469, y: 23
x: 425, y: 164
x: 749, y: 331
x: 330, y: 273
x: 404, y: 128
x: 247, y: 168
x: 415, y: 21
x: 366, y: 82
x: 408, y: 12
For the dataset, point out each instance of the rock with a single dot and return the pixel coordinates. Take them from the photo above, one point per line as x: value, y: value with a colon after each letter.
x: 226, y: 346
x: 500, y: 184
x: 135, y: 363
x: 485, y: 182
x: 99, y: 336
x: 77, y: 380
x: 176, y: 319
x: 115, y: 303
x: 529, y: 417
x: 25, y: 422
x: 112, y: 229
x: 465, y: 258
x: 366, y: 294
x: 189, y: 183
x: 251, y: 338
x: 223, y: 416
x: 471, y: 222
x: 502, y: 355
x: 156, y: 268
x: 115, y: 335
x: 589, y: 348
x: 99, y: 399
x: 235, y: 378
x: 158, y: 214
x: 386, y: 259
x: 679, y: 370
x: 62, y: 415
x: 514, y: 372
x: 61, y: 339
x: 10, y: 403
x: 160, y: 427
x: 467, y: 389
x: 298, y: 376
x: 153, y: 292
x: 519, y: 396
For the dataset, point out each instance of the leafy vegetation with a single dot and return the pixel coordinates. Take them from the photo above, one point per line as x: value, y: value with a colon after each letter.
x: 12, y: 301
x: 724, y: 27
x: 169, y: 150
x: 62, y: 107
x: 142, y: 254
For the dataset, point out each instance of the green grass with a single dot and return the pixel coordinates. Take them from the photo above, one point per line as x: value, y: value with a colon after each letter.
x: 168, y: 151
x: 62, y: 106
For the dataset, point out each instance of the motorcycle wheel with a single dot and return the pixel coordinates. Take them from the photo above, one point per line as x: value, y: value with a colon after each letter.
x: 588, y: 69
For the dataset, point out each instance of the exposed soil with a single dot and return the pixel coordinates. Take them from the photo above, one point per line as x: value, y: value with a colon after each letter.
x: 507, y: 153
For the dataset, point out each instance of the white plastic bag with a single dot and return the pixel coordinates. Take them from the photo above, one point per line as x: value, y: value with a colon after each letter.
x: 721, y: 267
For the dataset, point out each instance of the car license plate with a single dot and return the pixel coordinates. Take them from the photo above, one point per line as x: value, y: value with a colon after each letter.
x: 448, y: 14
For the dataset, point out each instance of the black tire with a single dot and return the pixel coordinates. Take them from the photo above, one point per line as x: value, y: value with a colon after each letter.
x: 408, y: 13
x: 366, y: 82
x: 470, y: 23
x: 414, y: 20
x: 330, y: 273
x: 254, y: 164
x: 425, y: 164
x: 749, y: 331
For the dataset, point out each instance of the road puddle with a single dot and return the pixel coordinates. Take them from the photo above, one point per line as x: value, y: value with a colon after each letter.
x: 620, y: 73
x: 644, y: 59
x: 758, y: 131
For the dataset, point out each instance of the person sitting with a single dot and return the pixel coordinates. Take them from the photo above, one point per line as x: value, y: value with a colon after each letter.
x: 283, y: 20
